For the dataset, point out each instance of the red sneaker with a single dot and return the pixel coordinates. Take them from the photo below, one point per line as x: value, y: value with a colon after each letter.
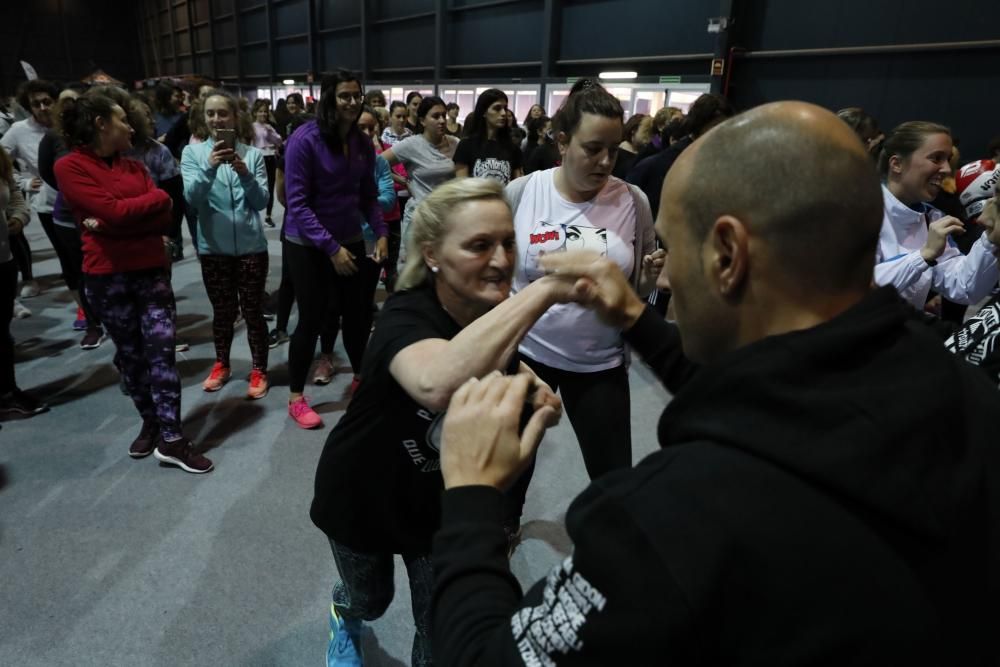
x: 217, y: 378
x: 258, y: 384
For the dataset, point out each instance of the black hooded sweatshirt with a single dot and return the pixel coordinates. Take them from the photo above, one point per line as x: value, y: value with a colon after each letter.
x: 817, y: 501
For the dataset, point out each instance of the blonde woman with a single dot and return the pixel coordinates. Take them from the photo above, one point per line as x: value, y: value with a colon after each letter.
x: 449, y: 320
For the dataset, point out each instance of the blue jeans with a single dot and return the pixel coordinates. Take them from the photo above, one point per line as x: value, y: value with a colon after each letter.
x: 366, y: 588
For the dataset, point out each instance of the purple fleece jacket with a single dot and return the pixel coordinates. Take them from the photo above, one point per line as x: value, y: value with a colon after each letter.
x: 326, y: 191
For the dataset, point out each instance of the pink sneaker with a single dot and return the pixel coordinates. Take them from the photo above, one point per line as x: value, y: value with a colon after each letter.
x: 303, y: 415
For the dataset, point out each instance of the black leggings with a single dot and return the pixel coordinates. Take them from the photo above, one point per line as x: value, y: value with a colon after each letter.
x: 21, y: 251
x: 395, y: 240
x: 271, y: 165
x: 318, y: 290
x: 286, y: 291
x: 600, y: 412
x: 70, y: 246
x: 8, y: 289
x: 370, y: 271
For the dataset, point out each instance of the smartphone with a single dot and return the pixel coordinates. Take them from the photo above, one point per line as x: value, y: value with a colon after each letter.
x: 225, y: 138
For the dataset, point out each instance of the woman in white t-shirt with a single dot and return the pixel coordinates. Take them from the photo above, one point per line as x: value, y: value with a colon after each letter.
x: 579, y: 205
x: 427, y: 157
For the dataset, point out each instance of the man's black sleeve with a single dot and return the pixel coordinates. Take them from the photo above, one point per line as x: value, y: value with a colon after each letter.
x: 612, y: 602
x: 658, y: 342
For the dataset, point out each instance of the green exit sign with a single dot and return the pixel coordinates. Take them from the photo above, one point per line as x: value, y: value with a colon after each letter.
x: 670, y: 79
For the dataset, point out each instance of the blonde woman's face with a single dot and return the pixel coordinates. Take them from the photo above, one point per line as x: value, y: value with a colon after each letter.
x: 475, y: 259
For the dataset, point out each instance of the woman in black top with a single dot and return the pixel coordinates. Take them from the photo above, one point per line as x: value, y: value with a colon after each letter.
x: 545, y: 155
x: 536, y: 128
x: 413, y: 100
x: 452, y: 126
x: 378, y: 483
x: 487, y: 150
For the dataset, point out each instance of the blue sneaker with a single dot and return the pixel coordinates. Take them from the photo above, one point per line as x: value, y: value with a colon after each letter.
x: 345, y: 642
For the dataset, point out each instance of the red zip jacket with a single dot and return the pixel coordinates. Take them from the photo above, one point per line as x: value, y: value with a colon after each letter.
x: 133, y: 212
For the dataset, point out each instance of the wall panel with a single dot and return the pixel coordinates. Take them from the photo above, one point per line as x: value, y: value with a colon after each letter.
x: 615, y: 29
x: 253, y: 27
x: 291, y: 18
x: 484, y: 35
x: 291, y: 57
x: 336, y: 13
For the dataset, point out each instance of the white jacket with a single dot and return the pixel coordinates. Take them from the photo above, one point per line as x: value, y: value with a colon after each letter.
x: 957, y: 277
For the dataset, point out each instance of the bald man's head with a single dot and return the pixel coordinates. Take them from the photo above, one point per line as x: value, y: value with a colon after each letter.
x: 797, y: 177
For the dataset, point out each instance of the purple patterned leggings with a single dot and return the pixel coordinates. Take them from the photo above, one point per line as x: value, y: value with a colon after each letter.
x: 138, y: 311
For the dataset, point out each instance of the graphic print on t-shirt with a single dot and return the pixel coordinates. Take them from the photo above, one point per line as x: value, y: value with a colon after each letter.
x: 426, y: 454
x: 548, y: 238
x: 491, y: 167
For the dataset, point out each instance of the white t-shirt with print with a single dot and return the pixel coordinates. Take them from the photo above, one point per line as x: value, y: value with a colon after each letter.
x: 569, y: 336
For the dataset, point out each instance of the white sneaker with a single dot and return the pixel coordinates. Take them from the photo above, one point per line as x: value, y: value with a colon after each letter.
x: 30, y: 289
x: 20, y: 311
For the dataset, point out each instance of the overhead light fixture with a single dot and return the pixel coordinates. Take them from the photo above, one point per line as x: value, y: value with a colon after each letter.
x: 289, y: 82
x: 618, y: 75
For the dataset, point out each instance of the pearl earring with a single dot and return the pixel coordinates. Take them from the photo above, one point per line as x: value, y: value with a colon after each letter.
x: 434, y: 269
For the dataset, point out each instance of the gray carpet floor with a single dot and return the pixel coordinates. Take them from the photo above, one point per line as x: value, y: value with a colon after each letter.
x: 105, y: 560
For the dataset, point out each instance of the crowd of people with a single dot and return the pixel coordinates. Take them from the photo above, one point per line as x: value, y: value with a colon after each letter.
x: 827, y: 487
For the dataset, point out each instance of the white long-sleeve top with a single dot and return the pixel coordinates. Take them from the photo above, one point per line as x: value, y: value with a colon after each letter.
x: 959, y: 278
x: 21, y: 142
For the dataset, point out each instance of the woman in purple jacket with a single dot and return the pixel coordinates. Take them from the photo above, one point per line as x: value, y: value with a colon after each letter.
x: 329, y: 167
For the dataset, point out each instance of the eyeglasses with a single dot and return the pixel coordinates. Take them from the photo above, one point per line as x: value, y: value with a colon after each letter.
x: 44, y: 102
x: 348, y: 97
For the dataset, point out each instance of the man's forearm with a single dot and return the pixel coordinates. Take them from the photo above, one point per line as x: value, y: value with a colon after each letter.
x: 475, y: 593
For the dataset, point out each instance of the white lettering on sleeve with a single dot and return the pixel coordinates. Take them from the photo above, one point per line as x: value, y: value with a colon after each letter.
x: 553, y: 627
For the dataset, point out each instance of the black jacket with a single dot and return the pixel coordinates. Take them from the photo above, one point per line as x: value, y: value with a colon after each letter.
x: 814, y: 503
x: 649, y: 173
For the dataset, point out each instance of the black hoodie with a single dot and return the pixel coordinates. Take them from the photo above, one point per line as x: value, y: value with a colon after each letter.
x: 813, y: 504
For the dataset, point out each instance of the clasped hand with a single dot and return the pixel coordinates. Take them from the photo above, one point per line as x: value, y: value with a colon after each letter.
x: 598, y: 283
x: 482, y: 443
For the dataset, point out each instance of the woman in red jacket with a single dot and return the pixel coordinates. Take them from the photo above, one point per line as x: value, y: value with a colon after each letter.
x: 124, y: 217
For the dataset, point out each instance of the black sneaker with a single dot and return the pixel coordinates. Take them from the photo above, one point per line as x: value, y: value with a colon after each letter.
x: 92, y: 339
x: 144, y: 444
x: 276, y: 338
x: 18, y: 402
x: 181, y: 453
x: 269, y: 222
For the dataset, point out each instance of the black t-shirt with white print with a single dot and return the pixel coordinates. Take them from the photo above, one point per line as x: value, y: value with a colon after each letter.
x: 378, y: 482
x: 489, y: 159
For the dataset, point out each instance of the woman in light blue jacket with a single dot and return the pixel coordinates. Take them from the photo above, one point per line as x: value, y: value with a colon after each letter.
x: 228, y: 186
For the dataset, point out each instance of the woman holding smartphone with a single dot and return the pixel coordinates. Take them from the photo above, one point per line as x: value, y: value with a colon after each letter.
x: 226, y: 181
x: 330, y: 187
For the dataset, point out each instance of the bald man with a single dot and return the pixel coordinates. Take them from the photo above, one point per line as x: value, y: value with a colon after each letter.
x: 811, y: 503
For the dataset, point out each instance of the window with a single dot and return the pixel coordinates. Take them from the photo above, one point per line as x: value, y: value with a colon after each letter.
x: 682, y: 99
